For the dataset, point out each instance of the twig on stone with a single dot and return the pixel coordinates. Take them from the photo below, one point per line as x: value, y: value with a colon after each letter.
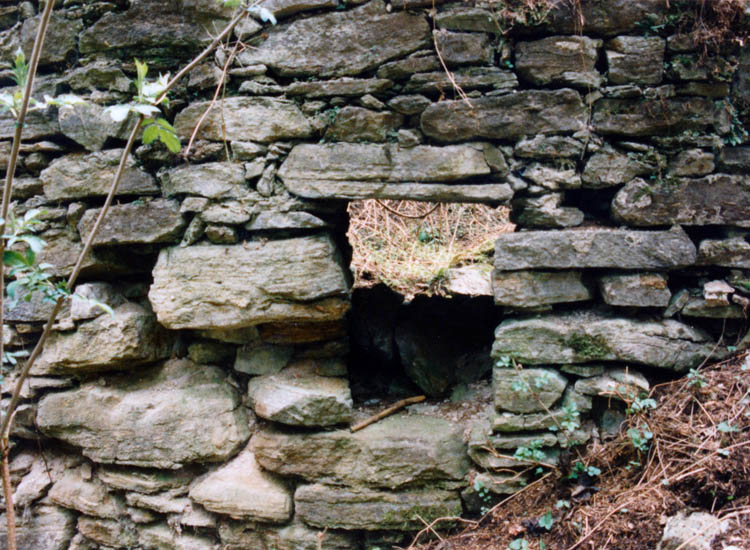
x: 387, y: 412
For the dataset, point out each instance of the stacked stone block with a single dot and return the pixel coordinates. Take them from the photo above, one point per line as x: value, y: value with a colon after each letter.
x: 211, y: 407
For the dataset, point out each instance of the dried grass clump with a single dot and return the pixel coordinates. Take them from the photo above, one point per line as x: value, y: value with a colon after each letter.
x: 408, y: 245
x: 713, y: 24
x: 699, y: 459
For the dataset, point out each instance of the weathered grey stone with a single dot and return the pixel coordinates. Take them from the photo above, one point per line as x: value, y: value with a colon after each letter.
x: 242, y: 490
x: 434, y: 192
x: 537, y: 288
x: 418, y: 62
x: 694, y: 532
x: 716, y: 199
x: 46, y: 527
x: 245, y: 119
x: 549, y: 147
x: 470, y: 280
x: 90, y: 125
x: 215, y: 180
x: 505, y: 117
x: 269, y: 221
x: 108, y: 532
x: 140, y: 222
x: 582, y: 337
x: 608, y: 168
x: 584, y: 371
x: 412, y: 104
x: 88, y: 497
x: 178, y: 31
x: 83, y: 302
x: 297, y: 536
x: 285, y: 8
x: 78, y: 176
x: 161, y: 537
x: 622, y: 384
x: 99, y: 74
x: 699, y: 307
x: 731, y: 252
x: 657, y: 116
x: 545, y: 211
x: 735, y: 159
x: 227, y: 212
x: 298, y: 400
x: 258, y: 360
x: 636, y: 59
x: 129, y: 338
x: 544, y: 387
x: 467, y: 78
x: 635, y: 290
x: 337, y: 44
x: 382, y: 163
x: 257, y: 282
x: 552, y: 178
x: 399, y: 451
x: 693, y: 162
x: 143, y: 481
x: 559, y: 61
x: 370, y: 510
x: 356, y: 123
x: 494, y: 452
x: 60, y: 38
x: 339, y: 87
x: 163, y: 503
x: 603, y: 18
x: 463, y: 18
x: 463, y: 48
x: 34, y: 310
x: 174, y: 413
x: 38, y: 125
x: 600, y: 247
x: 507, y: 423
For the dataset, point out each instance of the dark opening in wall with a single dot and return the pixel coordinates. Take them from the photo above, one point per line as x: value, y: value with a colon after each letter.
x: 422, y: 316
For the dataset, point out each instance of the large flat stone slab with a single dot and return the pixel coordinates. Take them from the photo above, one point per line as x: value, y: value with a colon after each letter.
x: 88, y: 497
x: 338, y: 44
x: 582, y: 337
x: 383, y: 163
x: 126, y: 340
x: 350, y: 508
x: 175, y: 413
x: 79, y: 176
x: 232, y: 286
x: 301, y: 399
x: 214, y: 180
x: 718, y: 199
x: 398, y: 451
x: 658, y: 116
x: 507, y: 117
x: 433, y: 192
x: 598, y: 247
x: 140, y: 222
x: 242, y: 490
x: 245, y: 119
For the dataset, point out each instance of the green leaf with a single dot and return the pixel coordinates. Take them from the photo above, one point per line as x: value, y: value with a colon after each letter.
x: 145, y: 109
x: 726, y: 427
x: 546, y: 521
x: 150, y: 134
x: 171, y: 141
x: 13, y: 258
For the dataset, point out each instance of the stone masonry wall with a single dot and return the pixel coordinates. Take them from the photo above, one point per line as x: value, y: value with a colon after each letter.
x: 211, y: 410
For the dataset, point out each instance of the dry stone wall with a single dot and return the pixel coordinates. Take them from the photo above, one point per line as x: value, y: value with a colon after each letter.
x: 211, y: 409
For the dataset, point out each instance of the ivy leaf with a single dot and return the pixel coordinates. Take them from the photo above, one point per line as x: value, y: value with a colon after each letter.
x: 35, y: 243
x: 546, y: 521
x: 171, y: 141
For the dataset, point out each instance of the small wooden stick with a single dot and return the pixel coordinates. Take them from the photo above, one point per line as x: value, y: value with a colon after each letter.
x: 387, y: 412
